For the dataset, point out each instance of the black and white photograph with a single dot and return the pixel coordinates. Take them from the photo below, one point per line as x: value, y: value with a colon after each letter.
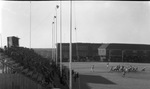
x: 74, y: 44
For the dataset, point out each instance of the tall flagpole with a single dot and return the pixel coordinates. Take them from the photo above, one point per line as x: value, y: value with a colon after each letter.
x: 52, y: 41
x: 70, y: 67
x: 54, y: 52
x: 30, y: 24
x: 60, y: 37
x: 56, y: 33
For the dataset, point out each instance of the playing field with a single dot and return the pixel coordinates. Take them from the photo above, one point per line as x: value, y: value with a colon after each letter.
x: 101, y: 78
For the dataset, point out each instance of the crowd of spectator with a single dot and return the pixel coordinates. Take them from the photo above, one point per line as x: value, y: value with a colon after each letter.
x: 32, y: 61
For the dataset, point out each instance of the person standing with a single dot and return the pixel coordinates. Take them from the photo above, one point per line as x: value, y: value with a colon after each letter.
x: 107, y: 65
x: 124, y: 72
x: 92, y: 68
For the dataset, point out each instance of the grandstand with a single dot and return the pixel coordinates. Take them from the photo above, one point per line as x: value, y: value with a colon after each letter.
x: 103, y: 52
x: 31, y: 69
x: 119, y: 52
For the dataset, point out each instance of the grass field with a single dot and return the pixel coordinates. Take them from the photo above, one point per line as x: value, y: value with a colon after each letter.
x: 101, y: 78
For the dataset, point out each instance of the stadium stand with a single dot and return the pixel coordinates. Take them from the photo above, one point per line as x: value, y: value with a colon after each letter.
x: 30, y: 64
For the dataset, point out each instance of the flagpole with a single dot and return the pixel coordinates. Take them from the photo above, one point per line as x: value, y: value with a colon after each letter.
x: 56, y: 33
x: 70, y: 67
x: 54, y: 55
x: 60, y: 37
x: 52, y: 41
x: 30, y: 24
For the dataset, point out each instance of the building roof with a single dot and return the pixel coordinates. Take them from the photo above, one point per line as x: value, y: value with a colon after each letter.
x: 125, y: 46
x: 13, y: 37
x: 82, y: 43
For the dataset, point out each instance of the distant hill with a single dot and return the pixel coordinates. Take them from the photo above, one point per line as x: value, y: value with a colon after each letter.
x: 45, y: 52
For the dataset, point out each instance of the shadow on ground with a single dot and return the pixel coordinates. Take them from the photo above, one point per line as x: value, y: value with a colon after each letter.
x: 95, y: 79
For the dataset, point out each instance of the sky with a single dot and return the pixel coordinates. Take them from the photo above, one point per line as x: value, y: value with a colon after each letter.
x: 95, y: 22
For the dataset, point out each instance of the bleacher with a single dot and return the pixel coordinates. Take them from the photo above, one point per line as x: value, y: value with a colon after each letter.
x: 28, y: 63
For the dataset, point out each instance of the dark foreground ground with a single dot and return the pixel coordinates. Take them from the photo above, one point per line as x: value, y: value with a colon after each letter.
x: 101, y: 78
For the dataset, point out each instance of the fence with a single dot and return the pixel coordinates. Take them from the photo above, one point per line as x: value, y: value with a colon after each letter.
x: 17, y: 81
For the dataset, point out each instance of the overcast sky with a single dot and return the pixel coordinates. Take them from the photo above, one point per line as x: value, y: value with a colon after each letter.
x: 96, y: 22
